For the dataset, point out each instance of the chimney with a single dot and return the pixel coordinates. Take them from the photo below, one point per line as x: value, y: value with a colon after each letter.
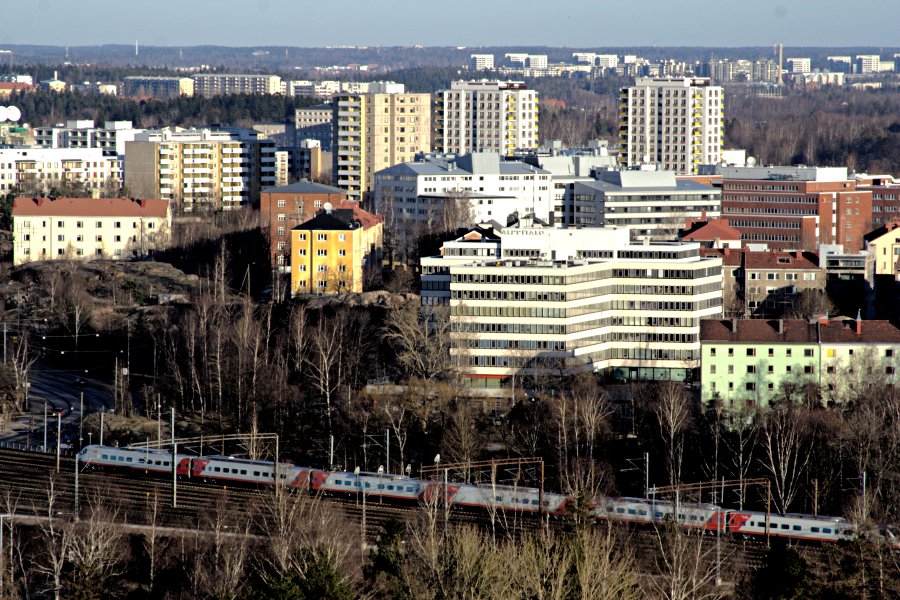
x: 734, y: 325
x: 781, y: 326
x: 727, y: 252
x: 859, y: 322
x: 823, y: 320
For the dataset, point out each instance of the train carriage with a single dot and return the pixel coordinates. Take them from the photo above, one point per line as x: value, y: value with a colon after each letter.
x: 396, y: 488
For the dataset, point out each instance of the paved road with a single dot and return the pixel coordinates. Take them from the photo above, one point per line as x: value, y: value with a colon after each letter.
x: 61, y: 390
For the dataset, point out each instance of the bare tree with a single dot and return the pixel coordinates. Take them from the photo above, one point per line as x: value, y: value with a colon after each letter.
x: 95, y: 551
x: 420, y: 336
x: 673, y: 414
x: 786, y: 449
x: 687, y: 568
x: 56, y: 542
x: 604, y: 567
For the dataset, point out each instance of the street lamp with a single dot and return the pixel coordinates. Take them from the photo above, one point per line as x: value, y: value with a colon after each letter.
x: 362, y: 491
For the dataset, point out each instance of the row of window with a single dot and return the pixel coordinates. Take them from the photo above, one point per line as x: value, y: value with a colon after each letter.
x: 381, y: 486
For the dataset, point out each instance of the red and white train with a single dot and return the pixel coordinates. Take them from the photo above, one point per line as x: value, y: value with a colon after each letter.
x: 476, y: 497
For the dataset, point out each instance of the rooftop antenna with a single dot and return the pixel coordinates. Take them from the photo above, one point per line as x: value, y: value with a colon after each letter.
x: 135, y: 47
x: 67, y: 53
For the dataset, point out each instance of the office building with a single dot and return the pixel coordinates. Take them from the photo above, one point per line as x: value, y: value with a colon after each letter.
x: 867, y: 64
x: 650, y: 204
x: 315, y: 123
x: 568, y: 300
x: 200, y: 169
x: 283, y: 208
x: 162, y: 88
x: 214, y: 84
x: 481, y: 62
x: 374, y: 131
x: 799, y: 65
x: 486, y: 116
x: 88, y: 228
x: 332, y: 252
x: 676, y: 124
x: 37, y: 171
x: 746, y: 363
x: 840, y: 64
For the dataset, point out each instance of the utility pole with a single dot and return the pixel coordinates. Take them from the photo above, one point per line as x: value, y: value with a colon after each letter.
x: 174, y: 463
x: 4, y: 342
x: 76, y: 487
x: 646, y: 474
x: 864, y: 507
x: 2, y: 517
x: 58, y: 439
x: 45, y: 426
x: 387, y: 446
x: 81, y: 420
x: 158, y: 421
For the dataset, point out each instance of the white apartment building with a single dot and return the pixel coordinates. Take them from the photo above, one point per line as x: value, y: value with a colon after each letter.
x: 216, y: 168
x: 481, y: 62
x: 606, y: 61
x: 486, y: 116
x: 544, y: 300
x: 315, y: 123
x: 213, y: 84
x: 88, y: 228
x: 374, y: 131
x: 674, y: 123
x: 868, y: 63
x: 651, y: 204
x: 37, y: 170
x: 157, y: 87
x: 110, y: 138
x: 799, y: 65
x: 488, y: 189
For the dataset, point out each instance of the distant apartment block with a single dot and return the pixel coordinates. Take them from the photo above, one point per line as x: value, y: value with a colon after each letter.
x: 674, y: 123
x: 374, y: 131
x: 486, y: 116
x: 481, y: 62
x: 214, y: 84
x: 536, y: 300
x: 799, y: 65
x: 88, y: 228
x: 110, y: 138
x: 315, y: 123
x: 38, y: 170
x: 198, y: 169
x: 162, y: 88
x: 840, y: 64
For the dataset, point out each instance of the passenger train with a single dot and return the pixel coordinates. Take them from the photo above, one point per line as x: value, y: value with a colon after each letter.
x: 475, y: 497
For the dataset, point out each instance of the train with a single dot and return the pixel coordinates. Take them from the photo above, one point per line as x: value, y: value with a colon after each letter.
x: 480, y: 497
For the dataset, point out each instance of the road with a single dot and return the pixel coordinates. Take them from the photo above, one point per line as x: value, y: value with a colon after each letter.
x: 61, y: 391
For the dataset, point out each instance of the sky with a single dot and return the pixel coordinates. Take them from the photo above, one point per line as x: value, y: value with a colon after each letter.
x: 572, y: 23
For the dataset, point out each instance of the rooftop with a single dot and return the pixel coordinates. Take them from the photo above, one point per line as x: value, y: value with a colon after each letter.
x: 708, y: 230
x: 799, y: 331
x: 774, y: 259
x: 89, y: 207
x: 305, y: 187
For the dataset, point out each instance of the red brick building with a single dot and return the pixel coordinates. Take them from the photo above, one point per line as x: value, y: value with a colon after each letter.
x: 283, y: 208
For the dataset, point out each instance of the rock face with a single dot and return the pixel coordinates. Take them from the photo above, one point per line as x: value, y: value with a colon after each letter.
x: 365, y: 299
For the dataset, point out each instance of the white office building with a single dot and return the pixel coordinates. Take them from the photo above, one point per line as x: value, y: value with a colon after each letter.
x: 481, y: 62
x: 479, y: 185
x: 799, y: 65
x: 677, y: 124
x: 492, y: 116
x: 535, y: 300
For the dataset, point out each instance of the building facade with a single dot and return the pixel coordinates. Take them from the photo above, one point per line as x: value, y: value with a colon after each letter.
x: 333, y: 251
x: 749, y: 362
x: 675, y: 123
x: 481, y: 62
x: 374, y: 131
x: 486, y: 116
x: 88, y: 228
x: 162, y: 88
x: 216, y: 169
x: 569, y: 300
x: 37, y: 171
x: 214, y: 84
x: 283, y: 208
x: 315, y: 123
x: 110, y: 138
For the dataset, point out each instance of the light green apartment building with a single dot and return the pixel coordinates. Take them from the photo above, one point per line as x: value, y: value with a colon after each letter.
x: 746, y: 362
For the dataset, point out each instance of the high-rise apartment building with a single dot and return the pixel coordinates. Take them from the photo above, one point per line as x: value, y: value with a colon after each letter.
x: 158, y: 87
x: 481, y: 62
x: 315, y: 123
x: 374, y: 131
x: 675, y: 123
x: 486, y: 116
x: 213, y: 168
x: 213, y: 84
x: 799, y: 65
x: 110, y: 138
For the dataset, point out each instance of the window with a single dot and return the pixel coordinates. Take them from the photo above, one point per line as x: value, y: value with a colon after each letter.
x: 771, y: 369
x: 79, y: 224
x: 117, y: 224
x: 282, y: 203
x: 282, y: 246
x: 830, y: 353
x: 751, y: 351
x: 751, y: 369
x: 281, y: 231
x: 771, y: 276
x: 889, y: 370
x: 322, y: 268
x: 59, y: 223
x: 322, y: 252
x: 750, y: 387
x: 731, y: 352
x: 322, y: 237
x: 889, y: 353
x: 830, y: 369
x: 807, y: 370
x: 342, y: 237
x: 118, y: 238
x: 342, y: 252
x: 771, y: 351
x: 98, y: 224
x: 807, y: 352
x: 282, y: 217
x: 712, y: 351
x: 731, y: 369
x: 712, y: 369
x: 60, y: 238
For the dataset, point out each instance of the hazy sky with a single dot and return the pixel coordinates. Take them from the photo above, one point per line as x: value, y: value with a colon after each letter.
x: 454, y: 22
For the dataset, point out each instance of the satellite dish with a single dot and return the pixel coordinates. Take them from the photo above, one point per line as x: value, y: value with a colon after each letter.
x: 4, y: 114
x: 328, y: 207
x: 751, y: 162
x: 437, y: 459
x: 645, y: 159
x: 13, y: 113
x: 381, y: 469
x: 356, y: 471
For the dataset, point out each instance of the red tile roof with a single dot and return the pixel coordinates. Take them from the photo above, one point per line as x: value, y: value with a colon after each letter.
x: 709, y: 230
x: 799, y: 331
x: 13, y: 86
x: 731, y: 257
x: 776, y: 259
x: 845, y: 332
x: 89, y: 207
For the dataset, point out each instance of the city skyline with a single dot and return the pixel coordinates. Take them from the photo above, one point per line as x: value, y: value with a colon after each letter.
x: 579, y: 23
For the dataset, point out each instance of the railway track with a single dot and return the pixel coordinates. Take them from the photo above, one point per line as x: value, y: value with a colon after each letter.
x: 25, y: 481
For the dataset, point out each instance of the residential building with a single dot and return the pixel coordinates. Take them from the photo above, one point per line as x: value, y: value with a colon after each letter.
x: 674, y: 123
x: 37, y: 171
x: 53, y: 85
x: 883, y: 269
x: 162, y: 88
x: 568, y: 300
x: 651, y: 204
x: 775, y: 280
x: 283, y: 208
x: 799, y: 65
x: 110, y: 138
x: 88, y: 228
x: 711, y: 233
x: 840, y: 64
x: 486, y: 116
x: 333, y: 251
x: 606, y: 61
x: 8, y: 87
x: 374, y: 131
x: 868, y: 63
x: 442, y: 193
x: 200, y: 169
x: 307, y: 160
x: 315, y: 123
x: 796, y: 208
x: 214, y: 84
x: 481, y: 62
x: 749, y: 362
